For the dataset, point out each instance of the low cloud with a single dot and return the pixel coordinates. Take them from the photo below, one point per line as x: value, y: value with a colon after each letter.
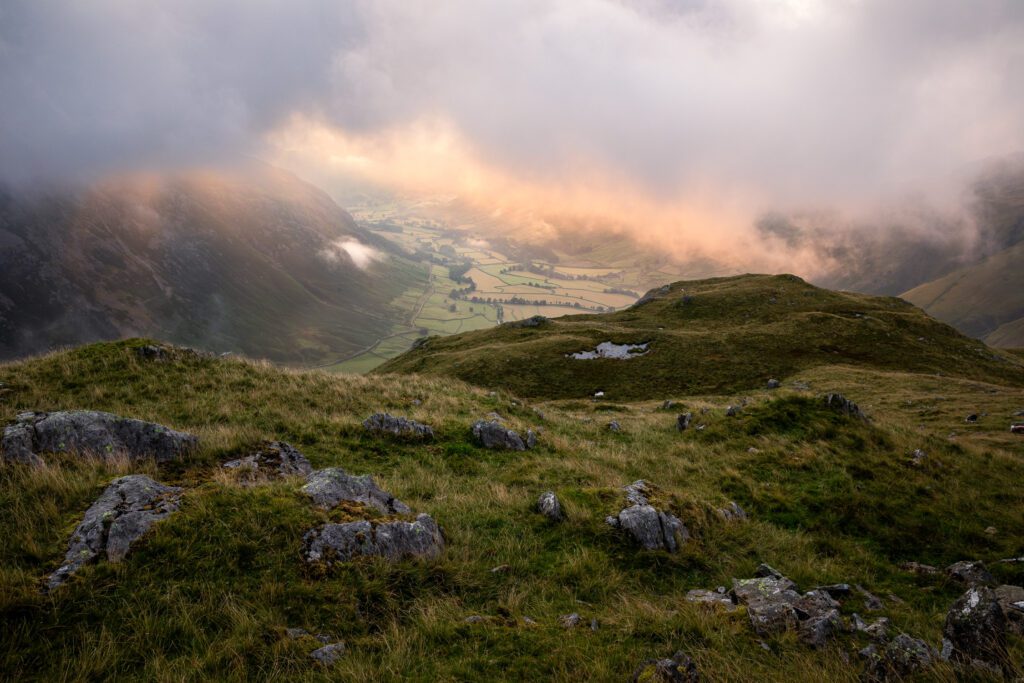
x: 361, y: 255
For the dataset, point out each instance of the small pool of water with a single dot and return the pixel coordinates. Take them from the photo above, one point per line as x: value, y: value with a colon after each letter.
x: 610, y: 350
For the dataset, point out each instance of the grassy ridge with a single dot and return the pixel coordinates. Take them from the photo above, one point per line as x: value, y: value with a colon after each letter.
x: 718, y: 335
x: 209, y: 593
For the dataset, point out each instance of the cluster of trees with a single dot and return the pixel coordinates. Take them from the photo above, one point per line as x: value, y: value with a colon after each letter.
x: 549, y: 271
x: 619, y: 290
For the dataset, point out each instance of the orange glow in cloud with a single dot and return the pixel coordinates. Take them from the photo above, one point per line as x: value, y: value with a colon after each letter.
x: 431, y: 158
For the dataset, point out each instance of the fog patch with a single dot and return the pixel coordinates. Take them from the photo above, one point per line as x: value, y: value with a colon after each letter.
x: 361, y: 255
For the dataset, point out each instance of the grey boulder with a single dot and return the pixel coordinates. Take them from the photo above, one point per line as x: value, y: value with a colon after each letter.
x: 970, y: 573
x: 120, y: 516
x: 843, y: 406
x: 677, y: 669
x: 383, y: 423
x: 94, y: 433
x: 330, y: 486
x: 975, y: 630
x: 395, y: 540
x: 653, y: 529
x: 903, y: 656
x: 1011, y: 601
x: 276, y: 457
x: 549, y: 506
x: 328, y: 654
x: 493, y: 435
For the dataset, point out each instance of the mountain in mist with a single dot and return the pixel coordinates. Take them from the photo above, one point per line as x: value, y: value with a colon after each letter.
x: 251, y: 260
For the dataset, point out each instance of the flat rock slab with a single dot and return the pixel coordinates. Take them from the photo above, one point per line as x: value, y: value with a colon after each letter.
x: 383, y: 423
x: 273, y: 457
x: 94, y: 433
x: 494, y: 435
x: 395, y: 540
x: 329, y: 487
x: 121, y: 515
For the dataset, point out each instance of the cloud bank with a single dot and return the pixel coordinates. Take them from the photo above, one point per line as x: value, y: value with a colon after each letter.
x: 696, y: 114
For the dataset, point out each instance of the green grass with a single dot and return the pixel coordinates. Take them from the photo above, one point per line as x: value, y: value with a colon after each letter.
x: 719, y: 335
x: 207, y: 595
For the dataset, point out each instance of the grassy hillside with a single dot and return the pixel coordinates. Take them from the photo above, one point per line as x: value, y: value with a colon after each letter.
x: 985, y: 300
x: 718, y: 335
x: 210, y: 591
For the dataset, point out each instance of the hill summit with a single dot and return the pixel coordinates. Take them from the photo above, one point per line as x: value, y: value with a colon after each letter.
x: 704, y: 336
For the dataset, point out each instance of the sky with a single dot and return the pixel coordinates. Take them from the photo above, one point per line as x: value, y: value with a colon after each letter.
x: 679, y: 119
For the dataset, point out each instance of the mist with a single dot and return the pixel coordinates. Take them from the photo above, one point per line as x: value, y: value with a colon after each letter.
x: 683, y: 122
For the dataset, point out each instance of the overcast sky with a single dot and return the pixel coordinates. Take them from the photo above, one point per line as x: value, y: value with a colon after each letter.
x: 792, y: 100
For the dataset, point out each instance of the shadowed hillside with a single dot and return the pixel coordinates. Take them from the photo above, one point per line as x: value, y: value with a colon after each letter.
x: 246, y: 260
x: 723, y: 334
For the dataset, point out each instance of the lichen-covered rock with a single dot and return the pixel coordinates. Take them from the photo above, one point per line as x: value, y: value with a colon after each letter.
x: 1011, y: 601
x: 93, y: 433
x: 492, y: 434
x: 328, y: 654
x: 970, y: 573
x: 549, y: 506
x: 843, y: 405
x: 653, y: 529
x: 383, y: 423
x: 716, y: 598
x: 273, y: 457
x: 125, y: 511
x: 679, y: 669
x: 330, y: 486
x: 975, y: 630
x: 903, y: 656
x: 770, y: 603
x: 394, y: 540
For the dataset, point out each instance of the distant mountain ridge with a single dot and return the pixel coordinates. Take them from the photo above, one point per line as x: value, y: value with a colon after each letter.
x: 251, y: 260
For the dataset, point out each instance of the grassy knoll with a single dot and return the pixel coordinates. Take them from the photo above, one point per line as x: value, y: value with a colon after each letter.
x: 209, y: 592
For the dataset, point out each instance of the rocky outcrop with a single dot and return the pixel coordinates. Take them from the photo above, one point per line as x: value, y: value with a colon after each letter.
x: 384, y: 423
x: 495, y: 436
x: 329, y: 487
x: 1011, y: 601
x: 120, y: 516
x: 549, y: 506
x: 92, y: 433
x: 843, y: 405
x: 653, y: 529
x: 974, y: 634
x: 275, y: 458
x: 393, y: 540
x: 970, y: 573
x: 732, y: 512
x: 901, y: 657
x: 677, y: 669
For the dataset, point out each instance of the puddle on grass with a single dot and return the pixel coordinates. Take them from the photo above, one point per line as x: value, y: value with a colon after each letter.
x: 610, y: 350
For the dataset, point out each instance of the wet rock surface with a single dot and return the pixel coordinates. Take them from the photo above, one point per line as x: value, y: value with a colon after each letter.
x: 91, y: 433
x: 329, y: 487
x: 495, y: 436
x: 393, y: 540
x: 653, y: 529
x: 123, y: 513
x: 384, y: 423
x: 273, y: 458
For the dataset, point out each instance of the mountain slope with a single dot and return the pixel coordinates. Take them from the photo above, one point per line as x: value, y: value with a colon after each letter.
x: 209, y: 593
x: 721, y: 335
x: 980, y: 299
x: 251, y: 260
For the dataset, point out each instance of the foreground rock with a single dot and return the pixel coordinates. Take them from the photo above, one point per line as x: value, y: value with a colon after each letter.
x: 274, y: 458
x: 549, y: 506
x: 974, y: 634
x: 679, y: 669
x: 383, y: 423
x: 93, y: 433
x: 394, y: 540
x: 901, y: 657
x: 120, y: 516
x: 1011, y: 601
x: 495, y: 436
x: 329, y: 487
x: 653, y: 529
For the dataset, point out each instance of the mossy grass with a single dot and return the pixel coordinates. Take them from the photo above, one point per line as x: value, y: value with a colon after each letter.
x: 208, y: 594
